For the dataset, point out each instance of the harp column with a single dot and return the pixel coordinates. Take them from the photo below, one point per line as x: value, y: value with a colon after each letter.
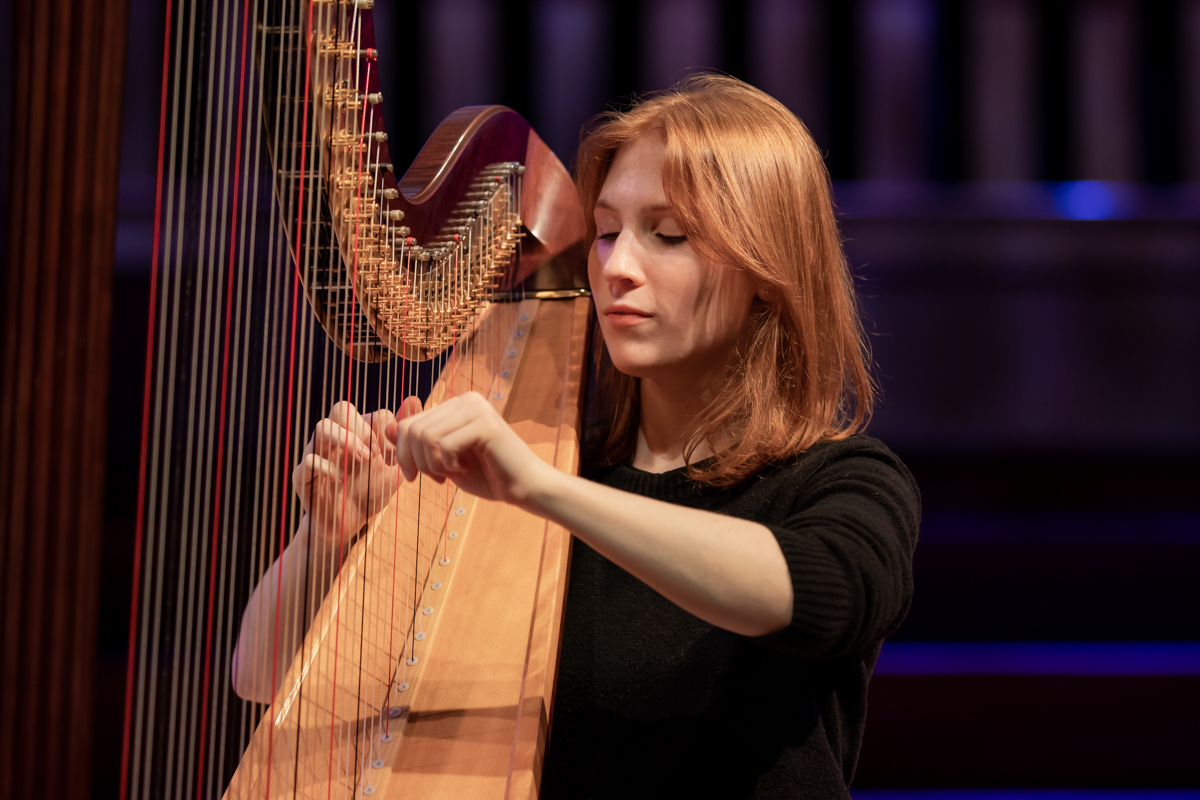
x: 66, y: 111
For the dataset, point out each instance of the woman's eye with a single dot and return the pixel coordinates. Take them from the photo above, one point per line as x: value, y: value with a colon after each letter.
x: 671, y: 241
x: 606, y: 237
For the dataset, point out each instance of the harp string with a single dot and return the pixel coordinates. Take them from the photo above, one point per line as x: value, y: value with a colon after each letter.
x: 139, y: 531
x: 311, y: 256
x: 172, y: 284
x: 225, y: 606
x: 231, y: 531
x: 206, y: 729
x: 213, y: 224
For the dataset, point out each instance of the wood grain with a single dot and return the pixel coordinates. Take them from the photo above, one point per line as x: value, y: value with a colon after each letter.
x: 68, y: 60
x: 475, y: 715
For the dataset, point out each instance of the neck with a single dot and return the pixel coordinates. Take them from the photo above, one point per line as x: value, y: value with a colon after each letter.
x: 669, y: 414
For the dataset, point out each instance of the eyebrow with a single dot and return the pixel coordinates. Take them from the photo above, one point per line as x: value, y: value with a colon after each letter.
x: 651, y: 209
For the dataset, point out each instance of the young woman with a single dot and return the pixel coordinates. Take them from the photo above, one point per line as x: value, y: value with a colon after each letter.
x: 741, y: 549
x: 741, y: 552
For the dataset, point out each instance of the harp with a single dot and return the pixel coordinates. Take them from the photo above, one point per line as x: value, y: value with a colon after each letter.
x: 296, y: 267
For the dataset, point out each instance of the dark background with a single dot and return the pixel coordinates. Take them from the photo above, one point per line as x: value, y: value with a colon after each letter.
x: 1019, y: 188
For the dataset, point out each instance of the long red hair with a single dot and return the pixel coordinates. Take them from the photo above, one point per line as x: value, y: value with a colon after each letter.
x: 747, y: 183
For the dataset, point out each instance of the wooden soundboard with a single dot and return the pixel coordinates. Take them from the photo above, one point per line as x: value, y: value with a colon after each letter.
x: 474, y: 716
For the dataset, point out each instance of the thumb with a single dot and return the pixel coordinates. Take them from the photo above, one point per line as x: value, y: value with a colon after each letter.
x: 409, y: 408
x: 411, y: 405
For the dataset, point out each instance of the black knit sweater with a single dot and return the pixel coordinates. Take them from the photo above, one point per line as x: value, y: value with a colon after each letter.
x: 653, y: 701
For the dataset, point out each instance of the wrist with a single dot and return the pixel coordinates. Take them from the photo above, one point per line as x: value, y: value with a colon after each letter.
x: 321, y: 548
x: 546, y: 489
x: 551, y: 494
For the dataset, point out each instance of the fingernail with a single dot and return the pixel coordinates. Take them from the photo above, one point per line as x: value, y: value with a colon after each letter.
x: 364, y: 454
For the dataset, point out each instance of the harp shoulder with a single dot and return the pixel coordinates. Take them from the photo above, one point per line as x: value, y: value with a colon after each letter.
x: 435, y: 165
x: 475, y: 136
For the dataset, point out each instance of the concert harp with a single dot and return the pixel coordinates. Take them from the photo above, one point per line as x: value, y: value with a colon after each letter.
x: 295, y: 267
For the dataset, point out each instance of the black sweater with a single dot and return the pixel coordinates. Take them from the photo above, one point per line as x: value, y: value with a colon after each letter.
x: 653, y: 701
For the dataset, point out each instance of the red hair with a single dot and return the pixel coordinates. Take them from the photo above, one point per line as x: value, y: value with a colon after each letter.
x: 745, y: 180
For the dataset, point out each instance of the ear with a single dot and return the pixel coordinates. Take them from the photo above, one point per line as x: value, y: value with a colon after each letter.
x: 765, y: 291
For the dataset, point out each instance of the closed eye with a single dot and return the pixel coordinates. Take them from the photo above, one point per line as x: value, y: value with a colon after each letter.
x: 608, y: 237
x: 671, y: 241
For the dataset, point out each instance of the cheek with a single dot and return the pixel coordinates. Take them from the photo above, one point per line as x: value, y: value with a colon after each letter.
x: 594, y: 267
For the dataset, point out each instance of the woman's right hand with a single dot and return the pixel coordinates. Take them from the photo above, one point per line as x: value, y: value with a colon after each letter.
x: 348, y: 474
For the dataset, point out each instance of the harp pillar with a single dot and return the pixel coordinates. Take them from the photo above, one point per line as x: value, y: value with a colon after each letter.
x: 68, y: 59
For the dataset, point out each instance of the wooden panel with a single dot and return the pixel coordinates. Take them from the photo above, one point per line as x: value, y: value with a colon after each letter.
x: 494, y: 596
x: 67, y: 60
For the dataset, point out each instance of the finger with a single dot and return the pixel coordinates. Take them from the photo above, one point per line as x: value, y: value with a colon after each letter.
x: 462, y: 441
x: 345, y: 414
x: 310, y: 468
x: 330, y: 439
x: 425, y: 431
x: 403, y: 450
x: 426, y: 450
x: 410, y: 406
x: 379, y: 421
x: 420, y: 455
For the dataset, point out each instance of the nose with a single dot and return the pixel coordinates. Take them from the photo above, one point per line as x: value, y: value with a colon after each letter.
x: 622, y: 268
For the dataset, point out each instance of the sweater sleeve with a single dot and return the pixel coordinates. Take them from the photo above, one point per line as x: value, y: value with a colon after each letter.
x: 849, y: 542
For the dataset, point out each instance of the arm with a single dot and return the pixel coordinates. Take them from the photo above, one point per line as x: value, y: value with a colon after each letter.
x: 729, y: 572
x: 281, y: 592
x: 347, y: 475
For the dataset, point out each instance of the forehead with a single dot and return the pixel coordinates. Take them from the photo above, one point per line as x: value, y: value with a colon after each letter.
x: 634, y: 181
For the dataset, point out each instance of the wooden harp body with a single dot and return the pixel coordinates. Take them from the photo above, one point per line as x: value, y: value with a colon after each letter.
x: 295, y: 268
x: 470, y: 717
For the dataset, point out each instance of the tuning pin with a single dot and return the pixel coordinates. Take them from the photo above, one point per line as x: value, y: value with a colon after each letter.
x: 403, y: 230
x: 392, y: 194
x: 375, y: 98
x: 379, y: 136
x: 395, y: 215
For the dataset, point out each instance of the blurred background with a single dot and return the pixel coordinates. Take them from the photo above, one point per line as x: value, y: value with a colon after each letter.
x: 1018, y: 185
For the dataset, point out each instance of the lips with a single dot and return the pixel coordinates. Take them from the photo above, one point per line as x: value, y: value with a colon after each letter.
x: 621, y: 316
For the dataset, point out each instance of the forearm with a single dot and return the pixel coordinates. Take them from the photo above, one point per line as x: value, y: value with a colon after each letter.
x: 277, y: 615
x: 729, y: 572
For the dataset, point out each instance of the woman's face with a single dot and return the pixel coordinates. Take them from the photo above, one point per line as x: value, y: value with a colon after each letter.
x: 666, y: 313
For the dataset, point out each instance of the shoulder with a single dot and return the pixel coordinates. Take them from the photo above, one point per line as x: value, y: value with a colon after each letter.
x: 857, y: 465
x: 854, y: 454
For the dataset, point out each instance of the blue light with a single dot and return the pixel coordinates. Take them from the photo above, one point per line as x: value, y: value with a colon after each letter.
x: 1026, y: 794
x: 1039, y: 658
x: 1085, y: 200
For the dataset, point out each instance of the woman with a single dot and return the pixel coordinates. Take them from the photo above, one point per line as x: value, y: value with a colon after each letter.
x: 741, y: 550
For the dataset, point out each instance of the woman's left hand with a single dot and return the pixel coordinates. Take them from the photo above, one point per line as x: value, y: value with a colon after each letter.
x: 466, y: 440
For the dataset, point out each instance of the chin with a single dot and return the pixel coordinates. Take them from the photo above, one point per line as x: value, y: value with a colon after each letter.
x: 629, y: 361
